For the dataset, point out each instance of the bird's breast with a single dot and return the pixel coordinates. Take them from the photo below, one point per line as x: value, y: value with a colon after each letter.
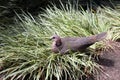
x: 54, y: 47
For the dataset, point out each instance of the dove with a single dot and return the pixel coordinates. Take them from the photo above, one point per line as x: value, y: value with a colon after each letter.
x: 66, y: 44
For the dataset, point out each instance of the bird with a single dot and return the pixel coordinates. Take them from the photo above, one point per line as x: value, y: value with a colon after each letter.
x: 66, y: 44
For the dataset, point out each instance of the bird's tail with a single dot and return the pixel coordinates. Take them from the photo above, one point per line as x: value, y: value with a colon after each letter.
x: 101, y: 36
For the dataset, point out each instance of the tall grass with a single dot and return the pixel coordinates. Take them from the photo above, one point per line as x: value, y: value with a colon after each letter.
x: 27, y: 55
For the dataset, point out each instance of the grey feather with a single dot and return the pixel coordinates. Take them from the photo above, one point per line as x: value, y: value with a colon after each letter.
x: 63, y: 45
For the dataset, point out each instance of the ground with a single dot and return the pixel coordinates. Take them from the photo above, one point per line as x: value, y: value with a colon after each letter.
x: 110, y: 62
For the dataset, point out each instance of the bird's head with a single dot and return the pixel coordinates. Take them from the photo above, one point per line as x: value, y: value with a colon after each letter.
x: 56, y: 39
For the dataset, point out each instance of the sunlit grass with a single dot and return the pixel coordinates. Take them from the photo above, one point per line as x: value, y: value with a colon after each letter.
x: 25, y: 53
x: 23, y: 56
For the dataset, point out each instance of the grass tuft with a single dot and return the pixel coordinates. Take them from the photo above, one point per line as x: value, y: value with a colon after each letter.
x: 25, y: 53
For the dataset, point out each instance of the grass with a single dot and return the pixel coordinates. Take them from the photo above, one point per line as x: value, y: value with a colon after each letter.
x: 25, y: 52
x: 27, y: 56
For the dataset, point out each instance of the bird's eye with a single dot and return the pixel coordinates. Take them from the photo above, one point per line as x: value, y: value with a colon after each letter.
x: 53, y: 37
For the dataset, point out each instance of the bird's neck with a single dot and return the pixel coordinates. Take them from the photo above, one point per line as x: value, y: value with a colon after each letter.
x: 58, y: 43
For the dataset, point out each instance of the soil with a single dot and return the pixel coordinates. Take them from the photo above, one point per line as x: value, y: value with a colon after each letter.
x: 110, y: 63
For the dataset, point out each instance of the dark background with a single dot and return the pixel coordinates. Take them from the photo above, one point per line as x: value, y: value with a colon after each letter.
x: 9, y: 7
